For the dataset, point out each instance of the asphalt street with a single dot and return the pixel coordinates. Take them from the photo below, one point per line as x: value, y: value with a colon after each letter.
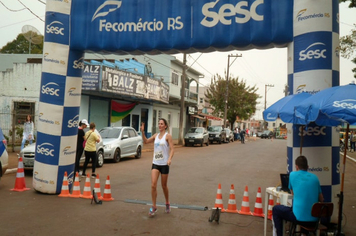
x: 194, y: 177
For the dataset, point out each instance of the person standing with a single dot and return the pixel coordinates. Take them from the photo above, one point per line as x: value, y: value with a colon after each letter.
x: 91, y: 138
x: 242, y: 135
x: 27, y: 131
x: 352, y: 141
x: 162, y: 159
x: 80, y: 143
x: 303, y: 201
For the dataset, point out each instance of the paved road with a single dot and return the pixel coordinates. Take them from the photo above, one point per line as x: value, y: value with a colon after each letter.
x: 193, y: 181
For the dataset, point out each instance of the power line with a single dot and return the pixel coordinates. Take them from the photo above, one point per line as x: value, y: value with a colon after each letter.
x: 30, y: 10
x: 12, y: 9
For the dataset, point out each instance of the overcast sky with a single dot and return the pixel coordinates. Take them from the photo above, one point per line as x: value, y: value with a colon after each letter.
x: 256, y: 67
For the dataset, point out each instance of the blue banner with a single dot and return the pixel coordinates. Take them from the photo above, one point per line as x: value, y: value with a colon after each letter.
x: 173, y: 26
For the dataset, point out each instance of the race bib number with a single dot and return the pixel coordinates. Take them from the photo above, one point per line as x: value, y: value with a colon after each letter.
x: 158, y: 155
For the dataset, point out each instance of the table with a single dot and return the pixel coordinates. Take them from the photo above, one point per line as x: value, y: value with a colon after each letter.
x: 285, y: 199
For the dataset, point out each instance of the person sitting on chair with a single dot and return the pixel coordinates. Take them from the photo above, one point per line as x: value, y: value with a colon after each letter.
x: 306, y: 190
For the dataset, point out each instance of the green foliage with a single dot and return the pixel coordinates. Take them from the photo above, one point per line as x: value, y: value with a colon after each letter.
x: 20, y: 45
x: 352, y: 2
x: 348, y: 46
x: 242, y: 99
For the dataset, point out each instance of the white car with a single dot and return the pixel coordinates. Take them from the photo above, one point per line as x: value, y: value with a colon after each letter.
x: 4, y: 157
x: 28, y: 155
x: 121, y: 142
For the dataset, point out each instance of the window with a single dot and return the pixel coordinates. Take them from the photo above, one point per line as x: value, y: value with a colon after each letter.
x: 159, y: 114
x: 201, y: 100
x: 132, y: 133
x: 125, y: 132
x: 175, y: 78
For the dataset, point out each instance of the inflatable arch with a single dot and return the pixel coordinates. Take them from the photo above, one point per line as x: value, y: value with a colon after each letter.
x: 310, y: 30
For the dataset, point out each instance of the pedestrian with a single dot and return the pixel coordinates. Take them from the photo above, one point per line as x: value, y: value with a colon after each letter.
x: 91, y: 138
x: 303, y: 201
x: 352, y: 141
x: 80, y: 143
x: 27, y: 134
x: 162, y: 159
x: 242, y: 135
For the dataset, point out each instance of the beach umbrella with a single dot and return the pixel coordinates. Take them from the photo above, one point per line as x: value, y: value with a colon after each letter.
x: 331, y: 107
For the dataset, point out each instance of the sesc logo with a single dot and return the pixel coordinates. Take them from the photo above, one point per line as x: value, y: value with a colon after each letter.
x: 109, y: 5
x: 347, y: 104
x: 269, y: 116
x: 55, y: 28
x: 49, y: 89
x: 315, y: 131
x: 313, y: 52
x: 45, y: 149
x: 73, y: 122
x: 227, y: 12
x: 79, y: 64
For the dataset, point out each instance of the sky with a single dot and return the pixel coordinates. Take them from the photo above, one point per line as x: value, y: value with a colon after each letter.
x: 256, y: 67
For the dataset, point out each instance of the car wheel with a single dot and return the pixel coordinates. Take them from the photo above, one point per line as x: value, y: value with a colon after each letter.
x: 220, y: 141
x: 117, y: 156
x: 138, y: 152
x: 186, y: 144
x: 100, y: 159
x: 202, y: 143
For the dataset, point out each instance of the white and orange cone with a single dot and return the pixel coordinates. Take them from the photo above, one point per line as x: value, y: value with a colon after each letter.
x: 278, y: 201
x: 97, y: 189
x: 231, y: 207
x: 270, y: 206
x: 76, y: 187
x: 245, y: 206
x: 87, y: 189
x: 65, y: 187
x: 20, y: 184
x: 258, y: 205
x: 107, y: 191
x: 218, y: 200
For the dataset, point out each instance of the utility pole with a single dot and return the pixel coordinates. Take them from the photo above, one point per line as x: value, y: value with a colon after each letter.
x: 266, y: 85
x: 182, y: 95
x: 227, y: 84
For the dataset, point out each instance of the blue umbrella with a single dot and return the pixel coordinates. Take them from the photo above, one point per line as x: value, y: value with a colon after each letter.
x: 284, y: 108
x: 331, y: 107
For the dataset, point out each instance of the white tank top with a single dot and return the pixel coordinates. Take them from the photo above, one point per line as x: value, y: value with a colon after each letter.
x: 161, y: 151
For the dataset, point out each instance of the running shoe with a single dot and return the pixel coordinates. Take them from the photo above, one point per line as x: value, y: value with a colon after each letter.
x: 168, y: 208
x: 152, y: 211
x: 93, y: 176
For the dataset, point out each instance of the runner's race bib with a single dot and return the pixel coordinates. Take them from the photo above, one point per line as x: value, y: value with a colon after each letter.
x: 158, y: 155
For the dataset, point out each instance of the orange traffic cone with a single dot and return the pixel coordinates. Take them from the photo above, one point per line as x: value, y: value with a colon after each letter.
x: 107, y: 191
x: 258, y: 205
x: 97, y: 187
x: 20, y: 184
x: 270, y: 206
x: 65, y: 187
x: 245, y: 206
x: 278, y: 201
x: 231, y: 207
x: 76, y: 187
x: 87, y: 189
x: 218, y: 200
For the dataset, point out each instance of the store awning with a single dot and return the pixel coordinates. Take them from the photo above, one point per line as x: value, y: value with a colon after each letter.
x: 199, y: 117
x: 209, y: 117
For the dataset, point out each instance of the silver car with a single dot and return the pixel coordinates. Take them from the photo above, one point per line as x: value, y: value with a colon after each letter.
x: 196, y: 135
x: 4, y: 157
x: 121, y: 142
x: 28, y: 155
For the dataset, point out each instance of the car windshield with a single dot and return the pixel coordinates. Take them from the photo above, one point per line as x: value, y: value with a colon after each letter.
x: 214, y: 128
x: 110, y: 133
x: 266, y: 132
x: 195, y: 130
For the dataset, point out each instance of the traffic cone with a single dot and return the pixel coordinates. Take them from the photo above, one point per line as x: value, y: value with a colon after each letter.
x: 231, y: 207
x: 76, y: 187
x: 65, y: 187
x: 20, y: 184
x: 97, y: 187
x: 87, y: 189
x: 245, y: 206
x: 278, y: 201
x: 107, y: 191
x: 218, y: 200
x: 258, y: 204
x: 270, y: 206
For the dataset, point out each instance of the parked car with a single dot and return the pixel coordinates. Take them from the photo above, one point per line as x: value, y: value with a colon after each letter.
x: 28, y: 155
x: 4, y: 157
x: 216, y: 134
x: 121, y: 142
x: 267, y: 134
x: 196, y: 135
x: 259, y: 133
x: 229, y: 135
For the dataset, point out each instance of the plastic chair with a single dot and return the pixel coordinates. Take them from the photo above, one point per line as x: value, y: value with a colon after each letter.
x: 319, y: 210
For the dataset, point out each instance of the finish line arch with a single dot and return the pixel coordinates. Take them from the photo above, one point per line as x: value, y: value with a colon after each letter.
x: 310, y: 30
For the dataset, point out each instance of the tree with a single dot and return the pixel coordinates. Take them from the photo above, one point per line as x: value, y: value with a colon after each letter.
x: 20, y: 45
x: 348, y: 42
x: 242, y: 99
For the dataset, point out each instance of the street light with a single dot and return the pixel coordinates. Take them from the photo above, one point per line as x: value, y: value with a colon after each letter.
x: 227, y: 83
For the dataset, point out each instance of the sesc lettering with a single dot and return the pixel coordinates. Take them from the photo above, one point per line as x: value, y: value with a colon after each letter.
x: 309, y: 53
x: 52, y: 29
x: 78, y: 64
x: 348, y: 104
x: 50, y: 91
x: 228, y: 12
x: 44, y: 150
x: 316, y: 131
